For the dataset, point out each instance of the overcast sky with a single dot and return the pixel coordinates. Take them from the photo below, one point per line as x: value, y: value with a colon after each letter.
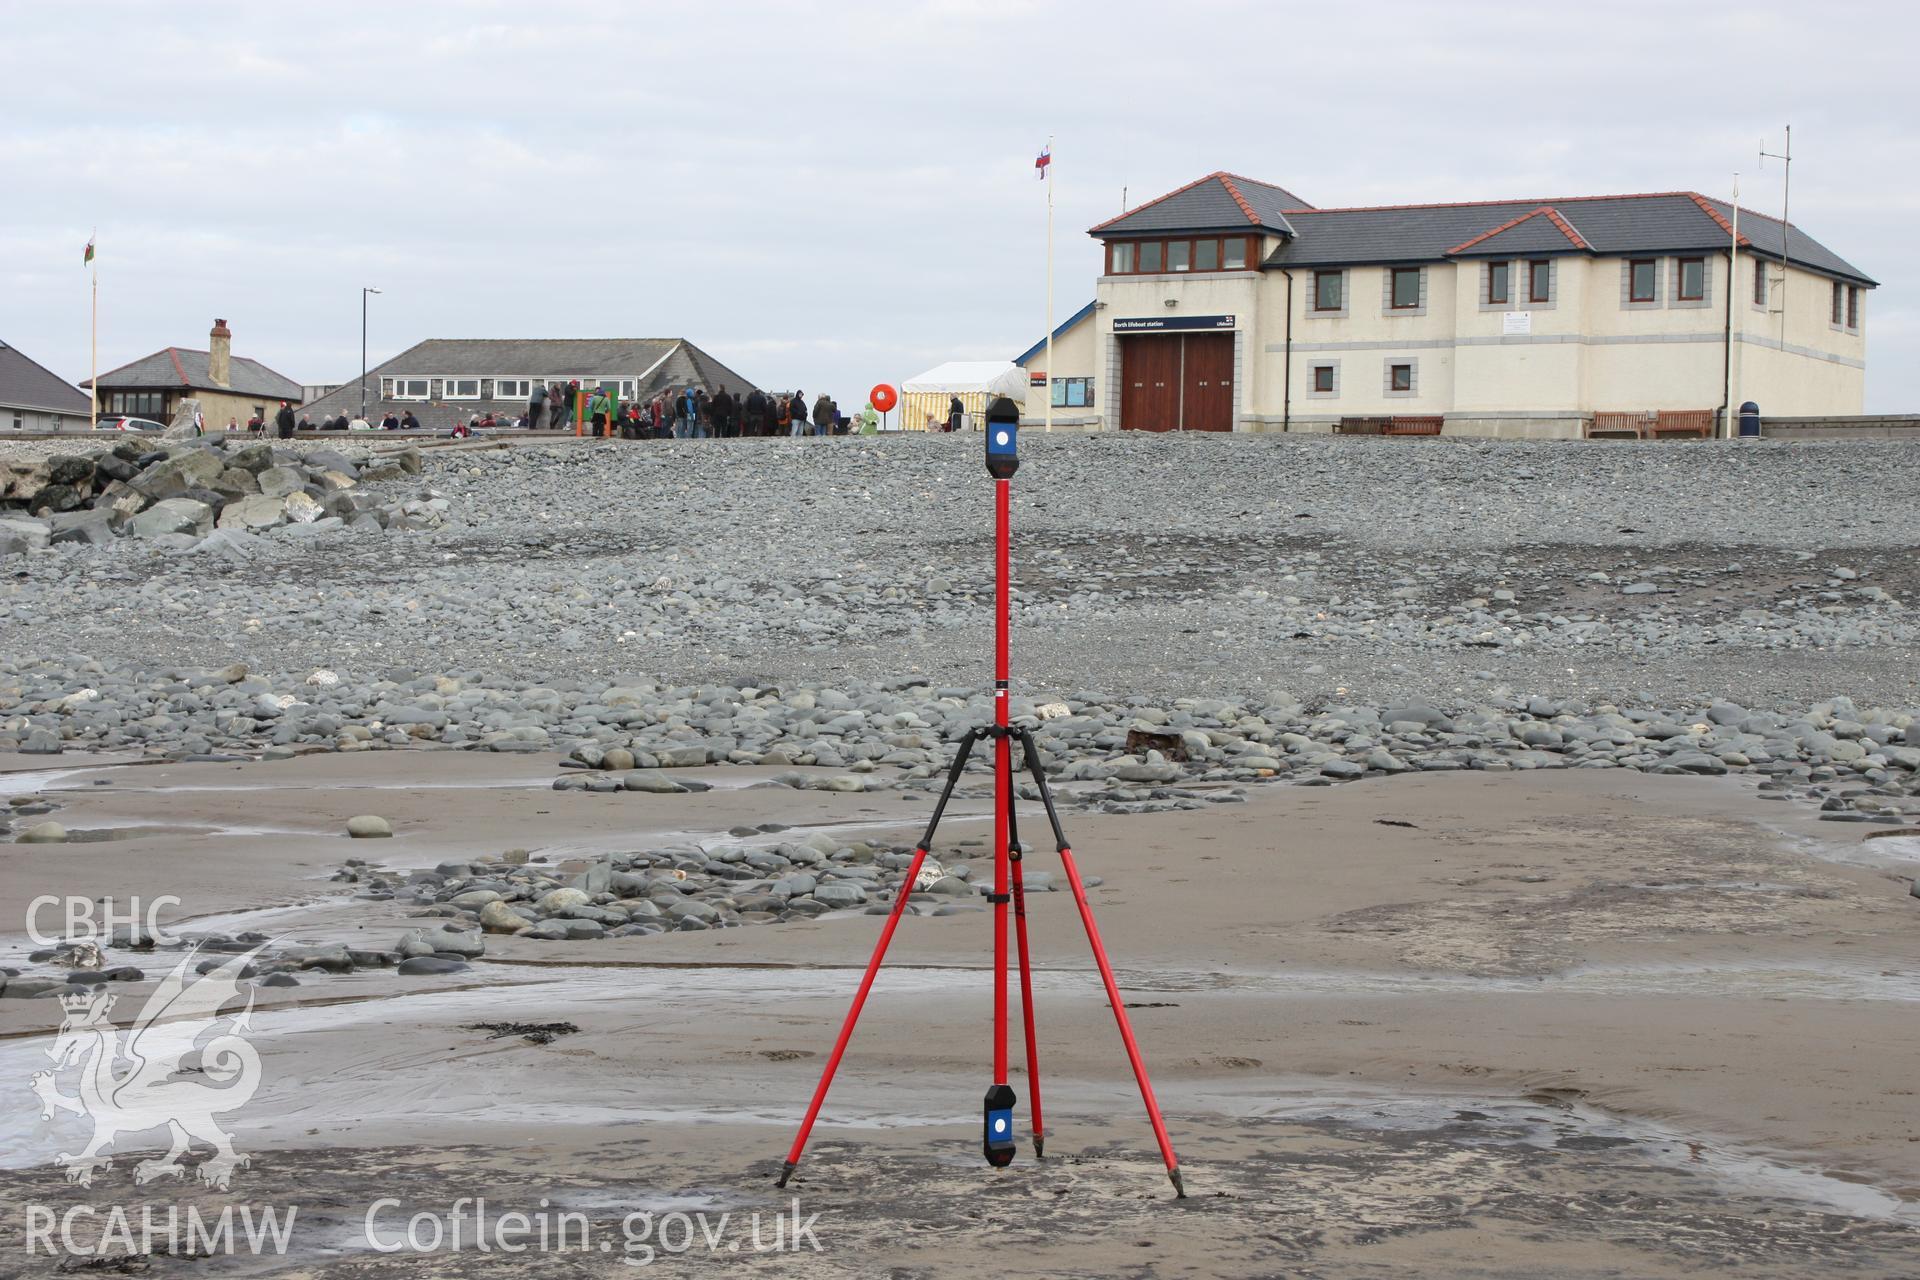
x: 828, y: 195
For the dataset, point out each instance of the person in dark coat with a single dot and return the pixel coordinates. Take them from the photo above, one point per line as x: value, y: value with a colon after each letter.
x: 409, y: 422
x: 723, y: 422
x: 956, y: 414
x: 283, y: 421
x: 537, y: 407
x: 755, y: 419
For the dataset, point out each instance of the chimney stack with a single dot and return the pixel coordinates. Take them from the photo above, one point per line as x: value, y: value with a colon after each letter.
x: 220, y: 355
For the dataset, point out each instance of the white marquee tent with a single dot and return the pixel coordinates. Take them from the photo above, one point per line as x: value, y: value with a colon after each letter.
x: 925, y: 398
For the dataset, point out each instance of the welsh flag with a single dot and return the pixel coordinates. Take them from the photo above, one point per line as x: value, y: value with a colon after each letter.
x: 88, y: 260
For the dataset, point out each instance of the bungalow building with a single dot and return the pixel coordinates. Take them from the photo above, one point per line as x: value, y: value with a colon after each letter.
x: 1234, y: 305
x: 444, y: 380
x: 229, y: 388
x: 34, y: 398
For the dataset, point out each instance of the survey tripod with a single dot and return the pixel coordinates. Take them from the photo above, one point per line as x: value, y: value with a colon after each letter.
x: 1009, y: 889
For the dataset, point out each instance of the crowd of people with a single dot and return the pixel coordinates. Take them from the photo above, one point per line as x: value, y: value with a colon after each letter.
x: 691, y: 413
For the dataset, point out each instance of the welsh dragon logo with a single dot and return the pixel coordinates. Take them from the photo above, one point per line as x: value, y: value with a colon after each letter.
x: 178, y: 1069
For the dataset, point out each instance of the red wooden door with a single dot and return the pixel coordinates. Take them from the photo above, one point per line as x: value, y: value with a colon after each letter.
x: 1207, y: 383
x: 1149, y: 383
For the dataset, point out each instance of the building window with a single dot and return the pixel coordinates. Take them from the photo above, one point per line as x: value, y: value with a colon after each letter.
x: 1402, y: 380
x: 1693, y: 280
x: 403, y: 388
x: 512, y: 388
x: 1329, y: 290
x: 1853, y: 306
x: 1206, y: 255
x: 1073, y: 393
x: 1400, y: 377
x: 1121, y: 252
x: 1497, y: 294
x: 1323, y: 379
x: 1643, y: 280
x: 1839, y: 297
x: 1178, y: 255
x: 1406, y: 288
x: 1233, y: 255
x: 462, y: 389
x: 1759, y: 282
x: 1540, y: 280
x: 1150, y: 251
x: 19, y: 420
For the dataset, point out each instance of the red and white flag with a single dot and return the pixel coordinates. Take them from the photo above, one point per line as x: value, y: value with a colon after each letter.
x: 1045, y: 159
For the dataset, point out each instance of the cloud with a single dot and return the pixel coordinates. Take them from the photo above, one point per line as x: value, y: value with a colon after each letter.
x: 836, y: 193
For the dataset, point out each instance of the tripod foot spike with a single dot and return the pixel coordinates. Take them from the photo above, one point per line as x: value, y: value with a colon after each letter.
x: 786, y: 1171
x: 1179, y: 1190
x: 1039, y: 1147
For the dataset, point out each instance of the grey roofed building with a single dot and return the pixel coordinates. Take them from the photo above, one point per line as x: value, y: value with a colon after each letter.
x: 445, y: 380
x: 1218, y: 202
x: 182, y: 367
x: 1653, y: 223
x: 33, y: 397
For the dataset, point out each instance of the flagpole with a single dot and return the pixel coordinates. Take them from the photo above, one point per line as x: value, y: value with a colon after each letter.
x: 93, y: 376
x: 1049, y: 328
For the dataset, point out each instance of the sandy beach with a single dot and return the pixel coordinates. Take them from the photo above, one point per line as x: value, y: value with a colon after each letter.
x: 1590, y: 1022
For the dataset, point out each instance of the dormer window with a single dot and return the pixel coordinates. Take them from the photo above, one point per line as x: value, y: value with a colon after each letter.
x: 1187, y: 254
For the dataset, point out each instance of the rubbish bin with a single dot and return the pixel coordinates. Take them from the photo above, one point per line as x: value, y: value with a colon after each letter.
x: 1749, y: 419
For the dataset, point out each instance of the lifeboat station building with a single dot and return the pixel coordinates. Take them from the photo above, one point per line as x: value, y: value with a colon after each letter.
x: 1235, y: 305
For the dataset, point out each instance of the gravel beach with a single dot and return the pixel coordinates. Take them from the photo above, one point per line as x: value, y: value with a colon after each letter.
x: 1495, y: 841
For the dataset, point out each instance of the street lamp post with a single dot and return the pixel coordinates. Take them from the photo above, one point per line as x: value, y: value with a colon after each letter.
x: 365, y: 290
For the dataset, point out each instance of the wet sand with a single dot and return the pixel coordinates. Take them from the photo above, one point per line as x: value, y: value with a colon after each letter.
x: 1568, y: 1023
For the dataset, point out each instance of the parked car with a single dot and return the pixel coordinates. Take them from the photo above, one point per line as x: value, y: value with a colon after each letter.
x: 129, y: 424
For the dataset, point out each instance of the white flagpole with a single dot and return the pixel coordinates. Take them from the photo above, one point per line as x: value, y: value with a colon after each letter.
x: 1733, y: 311
x: 93, y: 377
x: 1049, y: 329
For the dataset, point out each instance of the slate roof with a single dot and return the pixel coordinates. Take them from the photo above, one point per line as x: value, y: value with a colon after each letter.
x: 661, y: 362
x: 1218, y: 202
x: 1653, y: 223
x: 182, y: 367
x: 27, y: 384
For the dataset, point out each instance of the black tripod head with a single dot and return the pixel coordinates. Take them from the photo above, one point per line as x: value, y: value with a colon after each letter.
x: 1003, y: 438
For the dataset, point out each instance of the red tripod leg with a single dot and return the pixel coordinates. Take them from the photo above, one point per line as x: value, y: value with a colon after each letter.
x: 1026, y: 1004
x: 853, y: 1014
x: 1120, y: 1015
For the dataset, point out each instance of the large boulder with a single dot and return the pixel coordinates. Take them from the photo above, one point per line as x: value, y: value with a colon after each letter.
x: 278, y: 482
x: 96, y: 526
x: 254, y: 512
x: 301, y: 508
x: 254, y: 457
x: 122, y: 499
x: 33, y: 534
x: 68, y: 469
x: 59, y: 497
x: 235, y: 482
x: 173, y: 515
x: 21, y: 481
x: 183, y: 470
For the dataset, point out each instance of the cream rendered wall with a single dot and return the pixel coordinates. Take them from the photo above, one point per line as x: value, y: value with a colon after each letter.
x: 1073, y: 356
x: 1365, y: 339
x: 1822, y: 369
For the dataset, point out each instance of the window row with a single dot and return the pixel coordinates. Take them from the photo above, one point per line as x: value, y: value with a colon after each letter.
x: 1399, y: 377
x: 1210, y: 253
x: 490, y: 388
x: 1537, y: 274
x: 1073, y: 393
x: 138, y: 404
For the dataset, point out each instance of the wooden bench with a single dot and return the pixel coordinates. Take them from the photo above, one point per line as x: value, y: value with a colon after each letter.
x: 1360, y: 426
x: 1631, y: 425
x: 1414, y: 425
x: 1682, y: 422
